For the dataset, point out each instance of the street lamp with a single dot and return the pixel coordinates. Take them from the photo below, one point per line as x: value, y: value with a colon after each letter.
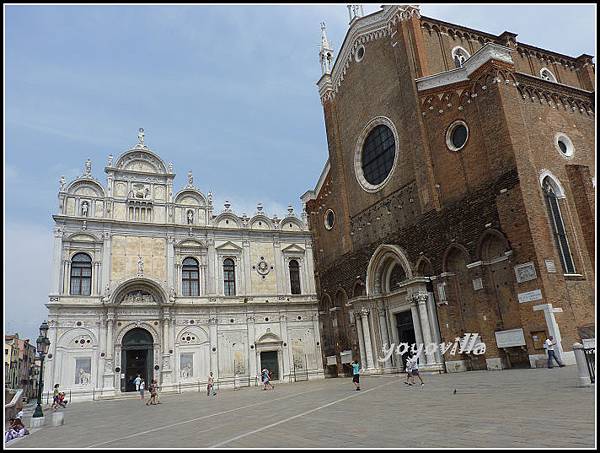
x: 42, y: 348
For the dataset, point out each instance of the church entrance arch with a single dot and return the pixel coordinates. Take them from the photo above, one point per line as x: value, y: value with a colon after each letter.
x: 137, y: 357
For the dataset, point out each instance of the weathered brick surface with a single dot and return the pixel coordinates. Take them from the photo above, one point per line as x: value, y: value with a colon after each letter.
x: 450, y: 209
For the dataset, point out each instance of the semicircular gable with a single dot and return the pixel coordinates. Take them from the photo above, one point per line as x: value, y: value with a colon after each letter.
x: 67, y: 339
x: 82, y: 237
x: 192, y: 335
x: 87, y: 187
x: 190, y: 197
x: 227, y: 220
x: 260, y: 222
x: 291, y: 224
x: 141, y: 159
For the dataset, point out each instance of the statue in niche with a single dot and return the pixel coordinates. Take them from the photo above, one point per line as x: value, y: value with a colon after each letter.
x: 172, y: 294
x: 140, y: 265
x: 190, y: 217
x: 84, y: 208
x: 147, y: 192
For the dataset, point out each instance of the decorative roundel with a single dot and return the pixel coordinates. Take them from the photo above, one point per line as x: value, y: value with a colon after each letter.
x: 563, y: 144
x: 457, y: 135
x: 329, y: 219
x: 262, y: 267
x: 375, y: 154
x: 360, y: 53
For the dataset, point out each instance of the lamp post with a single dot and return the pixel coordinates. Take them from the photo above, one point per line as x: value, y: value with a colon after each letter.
x: 42, y: 347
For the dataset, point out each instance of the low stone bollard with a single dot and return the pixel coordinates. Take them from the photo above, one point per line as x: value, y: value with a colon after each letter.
x: 37, y: 422
x: 582, y: 370
x: 57, y: 419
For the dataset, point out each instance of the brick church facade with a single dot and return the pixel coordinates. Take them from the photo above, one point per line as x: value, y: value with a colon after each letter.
x: 459, y: 194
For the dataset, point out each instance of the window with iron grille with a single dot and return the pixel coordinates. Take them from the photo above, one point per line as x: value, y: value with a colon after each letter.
x: 378, y: 154
x: 558, y: 227
x: 295, y: 276
x: 190, y: 277
x: 81, y: 275
x: 229, y: 277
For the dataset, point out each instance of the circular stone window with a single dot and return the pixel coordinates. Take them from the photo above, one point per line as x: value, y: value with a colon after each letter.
x: 329, y: 219
x: 457, y: 136
x: 375, y: 154
x: 563, y: 144
x: 360, y: 53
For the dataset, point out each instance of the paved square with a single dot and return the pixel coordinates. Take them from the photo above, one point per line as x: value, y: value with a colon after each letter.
x: 510, y: 408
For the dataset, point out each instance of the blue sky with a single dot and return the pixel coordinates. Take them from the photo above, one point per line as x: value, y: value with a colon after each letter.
x: 226, y: 91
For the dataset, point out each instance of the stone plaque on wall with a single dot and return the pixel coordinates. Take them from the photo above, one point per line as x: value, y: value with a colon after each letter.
x: 477, y: 284
x: 525, y: 272
x: 510, y: 338
x: 530, y: 296
x: 550, y: 266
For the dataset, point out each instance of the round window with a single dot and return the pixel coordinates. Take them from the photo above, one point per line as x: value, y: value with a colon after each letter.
x: 329, y: 219
x: 378, y: 155
x: 563, y: 144
x: 457, y: 136
x: 360, y: 53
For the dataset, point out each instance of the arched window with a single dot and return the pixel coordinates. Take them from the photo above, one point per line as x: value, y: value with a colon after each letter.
x: 229, y: 277
x: 295, y: 276
x: 81, y: 275
x: 546, y: 74
x: 190, y: 277
x: 558, y: 227
x: 459, y: 56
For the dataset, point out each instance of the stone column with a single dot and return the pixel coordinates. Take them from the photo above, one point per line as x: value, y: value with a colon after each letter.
x: 212, y: 273
x: 95, y: 278
x: 214, y: 363
x: 279, y: 269
x: 385, y: 339
x: 367, y: 334
x: 166, y: 356
x: 417, y: 325
x: 582, y: 370
x: 50, y: 362
x: 361, y: 340
x: 101, y: 349
x: 66, y: 275
x: 252, y: 371
x: 317, y: 339
x: 247, y: 267
x: 287, y: 350
x: 109, y: 365
x: 433, y: 322
x: 171, y: 262
x: 310, y: 271
x: 106, y: 258
x: 393, y: 335
x: 421, y: 300
x: 56, y: 269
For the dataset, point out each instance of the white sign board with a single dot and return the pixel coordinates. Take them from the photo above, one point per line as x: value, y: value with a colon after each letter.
x: 510, y: 338
x: 530, y: 296
x: 550, y: 267
x: 346, y: 356
x: 331, y: 360
x: 589, y: 343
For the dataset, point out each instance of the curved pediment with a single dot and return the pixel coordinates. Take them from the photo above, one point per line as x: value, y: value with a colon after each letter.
x: 291, y: 224
x: 227, y: 220
x: 190, y: 197
x: 83, y: 237
x: 261, y: 222
x: 86, y: 186
x: 142, y: 160
x: 139, y: 291
x: 270, y: 338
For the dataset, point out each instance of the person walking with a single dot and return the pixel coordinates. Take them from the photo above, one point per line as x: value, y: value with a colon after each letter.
x: 210, y: 387
x: 356, y: 374
x: 408, y: 368
x: 153, y: 393
x: 137, y: 381
x: 266, y: 379
x: 415, y: 370
x: 141, y: 388
x: 549, y: 345
x: 55, y: 397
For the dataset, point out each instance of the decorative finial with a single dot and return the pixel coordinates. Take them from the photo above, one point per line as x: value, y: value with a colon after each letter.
x: 88, y: 168
x: 190, y: 179
x: 326, y: 52
x: 141, y: 136
x: 110, y: 159
x: 170, y: 167
x: 210, y: 198
x: 227, y: 206
x: 259, y: 207
x: 290, y: 210
x: 62, y: 183
x: 355, y: 11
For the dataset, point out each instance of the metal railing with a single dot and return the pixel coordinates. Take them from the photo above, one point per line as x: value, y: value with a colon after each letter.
x: 590, y: 360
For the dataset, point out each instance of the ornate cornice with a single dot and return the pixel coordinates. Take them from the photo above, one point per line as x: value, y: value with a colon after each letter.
x: 362, y: 30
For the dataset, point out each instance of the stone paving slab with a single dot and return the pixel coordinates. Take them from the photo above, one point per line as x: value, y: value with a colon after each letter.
x: 510, y: 408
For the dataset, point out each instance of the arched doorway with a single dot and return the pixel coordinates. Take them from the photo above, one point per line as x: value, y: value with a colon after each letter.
x: 136, y: 358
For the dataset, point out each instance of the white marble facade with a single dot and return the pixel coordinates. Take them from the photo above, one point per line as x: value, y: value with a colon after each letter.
x: 134, y: 234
